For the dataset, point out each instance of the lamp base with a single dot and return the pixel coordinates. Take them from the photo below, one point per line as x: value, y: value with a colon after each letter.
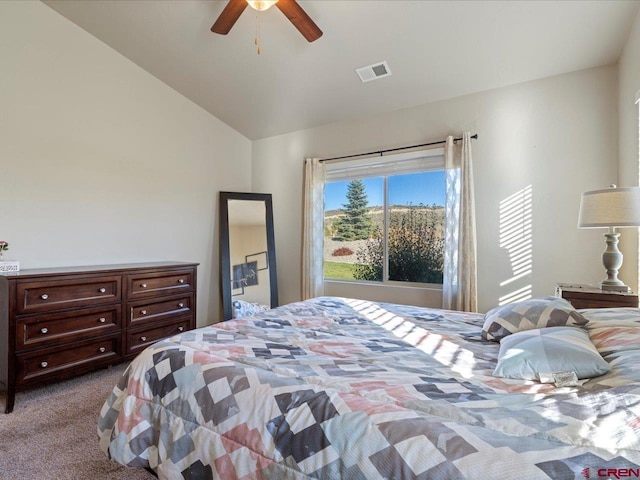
x: 612, y: 261
x: 614, y: 288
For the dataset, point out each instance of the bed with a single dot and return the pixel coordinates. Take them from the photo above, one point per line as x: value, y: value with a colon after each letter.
x: 337, y: 388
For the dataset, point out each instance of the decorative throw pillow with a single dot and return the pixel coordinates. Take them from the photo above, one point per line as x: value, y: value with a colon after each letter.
x: 529, y: 314
x: 549, y: 350
x: 244, y: 309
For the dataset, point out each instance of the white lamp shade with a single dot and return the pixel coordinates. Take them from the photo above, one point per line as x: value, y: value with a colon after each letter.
x: 610, y: 207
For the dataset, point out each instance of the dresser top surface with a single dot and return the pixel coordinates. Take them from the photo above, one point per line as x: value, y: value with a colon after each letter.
x: 114, y: 268
x: 593, y: 289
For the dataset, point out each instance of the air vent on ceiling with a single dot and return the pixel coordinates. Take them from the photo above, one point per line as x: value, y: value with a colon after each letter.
x: 373, y: 72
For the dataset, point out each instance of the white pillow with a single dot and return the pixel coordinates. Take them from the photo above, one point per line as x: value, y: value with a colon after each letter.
x: 555, y: 349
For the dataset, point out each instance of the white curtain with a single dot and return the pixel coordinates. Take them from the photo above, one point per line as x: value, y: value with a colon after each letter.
x: 459, y: 286
x: 313, y: 229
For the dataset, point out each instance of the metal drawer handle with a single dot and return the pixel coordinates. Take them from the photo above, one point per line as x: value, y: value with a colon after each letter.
x: 143, y: 312
x: 181, y: 305
x: 181, y: 280
x: 102, y: 320
x: 102, y: 290
x: 44, y: 364
x: 143, y: 339
x: 180, y: 328
x: 143, y: 285
x: 44, y: 296
x: 44, y: 330
x: 102, y: 349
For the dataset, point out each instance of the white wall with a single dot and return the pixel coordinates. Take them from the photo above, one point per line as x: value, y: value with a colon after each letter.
x: 629, y: 84
x: 557, y: 136
x: 101, y: 162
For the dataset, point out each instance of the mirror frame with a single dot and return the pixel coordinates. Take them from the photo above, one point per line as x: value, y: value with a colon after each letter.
x: 225, y: 250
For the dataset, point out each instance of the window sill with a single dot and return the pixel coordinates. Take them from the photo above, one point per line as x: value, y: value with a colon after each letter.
x: 422, y: 295
x: 415, y: 286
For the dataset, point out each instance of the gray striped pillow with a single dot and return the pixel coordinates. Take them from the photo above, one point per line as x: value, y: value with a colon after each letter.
x: 529, y: 314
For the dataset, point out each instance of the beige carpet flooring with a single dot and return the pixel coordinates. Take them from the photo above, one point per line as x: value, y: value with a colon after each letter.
x: 51, y: 433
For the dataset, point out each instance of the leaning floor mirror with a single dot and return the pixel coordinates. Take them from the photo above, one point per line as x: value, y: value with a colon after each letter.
x: 247, y: 254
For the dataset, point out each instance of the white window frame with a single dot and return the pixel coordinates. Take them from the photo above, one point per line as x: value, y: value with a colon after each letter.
x: 417, y: 161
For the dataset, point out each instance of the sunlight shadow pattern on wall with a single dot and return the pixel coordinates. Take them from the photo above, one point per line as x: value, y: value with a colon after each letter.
x: 516, y: 217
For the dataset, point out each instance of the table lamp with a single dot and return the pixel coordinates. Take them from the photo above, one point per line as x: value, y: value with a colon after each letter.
x: 611, y: 208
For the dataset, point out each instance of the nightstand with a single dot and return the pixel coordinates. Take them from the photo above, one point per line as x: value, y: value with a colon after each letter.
x: 588, y: 296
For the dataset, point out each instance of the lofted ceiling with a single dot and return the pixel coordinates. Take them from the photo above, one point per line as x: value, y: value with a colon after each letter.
x: 435, y: 50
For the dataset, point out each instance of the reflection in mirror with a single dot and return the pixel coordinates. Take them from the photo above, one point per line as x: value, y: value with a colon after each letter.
x: 247, y: 249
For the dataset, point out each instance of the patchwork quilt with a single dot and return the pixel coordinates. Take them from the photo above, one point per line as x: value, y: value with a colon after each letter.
x: 334, y: 388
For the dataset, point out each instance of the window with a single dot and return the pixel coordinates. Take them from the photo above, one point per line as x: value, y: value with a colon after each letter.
x: 384, y: 219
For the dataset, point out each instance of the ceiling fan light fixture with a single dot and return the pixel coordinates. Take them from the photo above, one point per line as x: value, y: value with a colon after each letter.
x: 290, y: 8
x: 261, y: 5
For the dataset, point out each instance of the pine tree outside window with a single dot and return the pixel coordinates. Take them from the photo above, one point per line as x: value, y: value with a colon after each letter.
x: 355, y: 223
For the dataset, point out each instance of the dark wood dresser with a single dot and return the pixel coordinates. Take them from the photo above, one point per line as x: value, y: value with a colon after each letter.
x: 57, y: 323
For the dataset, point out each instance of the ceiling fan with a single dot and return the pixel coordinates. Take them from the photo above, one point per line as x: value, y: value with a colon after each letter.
x: 290, y: 8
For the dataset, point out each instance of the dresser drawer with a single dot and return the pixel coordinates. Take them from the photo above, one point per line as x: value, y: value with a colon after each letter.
x: 161, y: 309
x: 154, y: 284
x: 62, y: 294
x: 41, y: 330
x: 138, y: 341
x: 55, y: 361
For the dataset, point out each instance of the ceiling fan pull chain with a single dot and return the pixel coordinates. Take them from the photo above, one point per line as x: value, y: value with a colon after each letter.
x: 257, y: 40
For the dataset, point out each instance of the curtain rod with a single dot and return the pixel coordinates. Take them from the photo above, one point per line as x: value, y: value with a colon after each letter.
x: 382, y: 152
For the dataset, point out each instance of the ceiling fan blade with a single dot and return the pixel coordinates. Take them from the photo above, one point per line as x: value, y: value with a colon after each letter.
x: 300, y: 19
x: 229, y: 16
